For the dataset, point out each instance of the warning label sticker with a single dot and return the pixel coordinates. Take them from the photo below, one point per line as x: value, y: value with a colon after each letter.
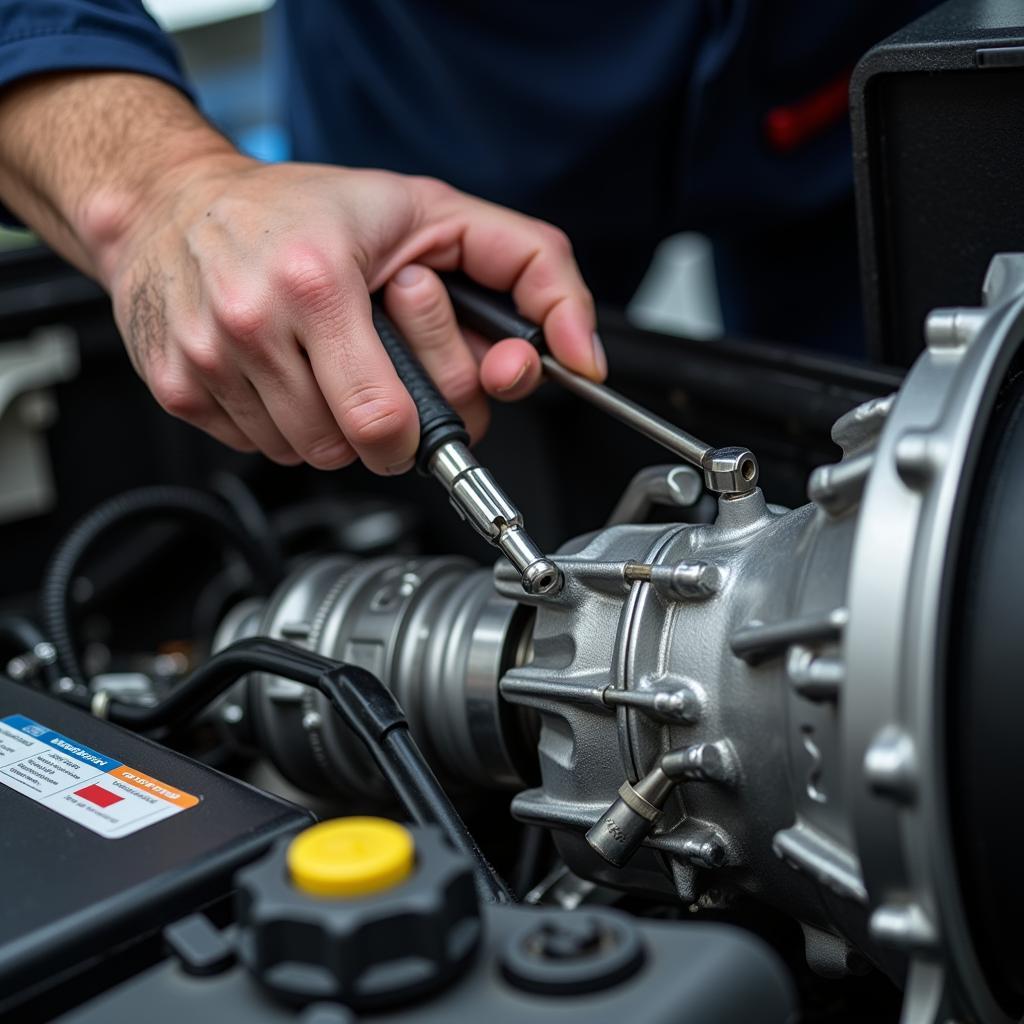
x: 82, y: 784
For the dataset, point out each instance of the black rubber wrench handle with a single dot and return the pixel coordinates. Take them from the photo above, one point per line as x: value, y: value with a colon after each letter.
x: 490, y: 313
x: 439, y: 422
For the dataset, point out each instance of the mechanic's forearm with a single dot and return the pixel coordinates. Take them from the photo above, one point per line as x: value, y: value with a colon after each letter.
x: 81, y: 154
x: 241, y: 289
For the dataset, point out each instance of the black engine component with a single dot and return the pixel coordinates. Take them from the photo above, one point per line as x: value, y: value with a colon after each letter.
x: 107, y: 835
x: 938, y: 152
x: 743, y: 726
x: 987, y: 703
x: 530, y: 964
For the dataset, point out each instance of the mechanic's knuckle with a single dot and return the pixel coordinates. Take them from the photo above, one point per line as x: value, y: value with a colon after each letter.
x: 433, y: 189
x: 433, y: 319
x: 555, y: 239
x: 374, y: 418
x: 307, y: 277
x: 244, y: 319
x: 207, y: 356
x: 180, y: 398
x: 460, y: 383
x: 327, y: 452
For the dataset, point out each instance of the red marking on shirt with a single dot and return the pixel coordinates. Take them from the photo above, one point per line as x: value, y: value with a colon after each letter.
x: 789, y: 127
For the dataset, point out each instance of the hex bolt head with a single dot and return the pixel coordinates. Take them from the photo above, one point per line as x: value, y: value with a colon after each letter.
x: 730, y: 470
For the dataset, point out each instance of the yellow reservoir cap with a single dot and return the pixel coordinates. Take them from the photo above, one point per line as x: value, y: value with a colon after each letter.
x: 351, y: 857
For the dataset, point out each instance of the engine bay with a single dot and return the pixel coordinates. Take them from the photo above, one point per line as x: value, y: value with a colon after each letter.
x: 742, y: 756
x: 730, y: 734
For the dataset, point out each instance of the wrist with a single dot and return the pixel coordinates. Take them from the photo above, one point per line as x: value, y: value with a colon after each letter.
x: 111, y: 219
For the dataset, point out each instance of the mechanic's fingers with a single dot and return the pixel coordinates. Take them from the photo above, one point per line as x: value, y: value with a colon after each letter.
x: 242, y: 403
x: 418, y: 303
x: 533, y: 260
x: 220, y: 425
x: 290, y: 394
x: 181, y: 393
x: 352, y: 369
x: 510, y: 370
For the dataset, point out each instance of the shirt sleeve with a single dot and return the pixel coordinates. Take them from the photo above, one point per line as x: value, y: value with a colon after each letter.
x: 38, y: 36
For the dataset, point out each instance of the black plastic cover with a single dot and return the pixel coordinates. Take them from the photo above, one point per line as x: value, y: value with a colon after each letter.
x: 937, y: 111
x: 71, y: 896
x: 697, y: 972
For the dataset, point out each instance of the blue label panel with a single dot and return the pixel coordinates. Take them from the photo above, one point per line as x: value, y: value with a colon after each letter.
x: 62, y: 743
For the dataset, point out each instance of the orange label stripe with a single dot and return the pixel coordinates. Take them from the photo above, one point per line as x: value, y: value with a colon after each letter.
x: 154, y: 787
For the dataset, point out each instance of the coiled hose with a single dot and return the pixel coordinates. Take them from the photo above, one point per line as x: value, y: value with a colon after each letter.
x: 206, y: 514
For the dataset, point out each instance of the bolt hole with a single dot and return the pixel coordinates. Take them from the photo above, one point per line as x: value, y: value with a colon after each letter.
x: 747, y: 469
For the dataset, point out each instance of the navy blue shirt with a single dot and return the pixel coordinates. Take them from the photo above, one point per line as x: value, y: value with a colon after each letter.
x: 622, y: 123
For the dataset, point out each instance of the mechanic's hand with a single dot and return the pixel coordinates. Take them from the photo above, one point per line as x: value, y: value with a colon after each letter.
x: 242, y: 291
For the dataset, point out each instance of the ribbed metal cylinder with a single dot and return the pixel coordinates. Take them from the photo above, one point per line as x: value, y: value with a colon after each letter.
x: 433, y: 629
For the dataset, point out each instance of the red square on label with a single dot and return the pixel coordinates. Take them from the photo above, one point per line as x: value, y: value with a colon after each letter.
x: 98, y: 795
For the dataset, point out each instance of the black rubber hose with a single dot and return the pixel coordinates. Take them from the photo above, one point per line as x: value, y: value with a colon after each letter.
x: 366, y: 706
x: 238, y: 495
x: 412, y: 778
x: 19, y: 633
x: 207, y: 514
